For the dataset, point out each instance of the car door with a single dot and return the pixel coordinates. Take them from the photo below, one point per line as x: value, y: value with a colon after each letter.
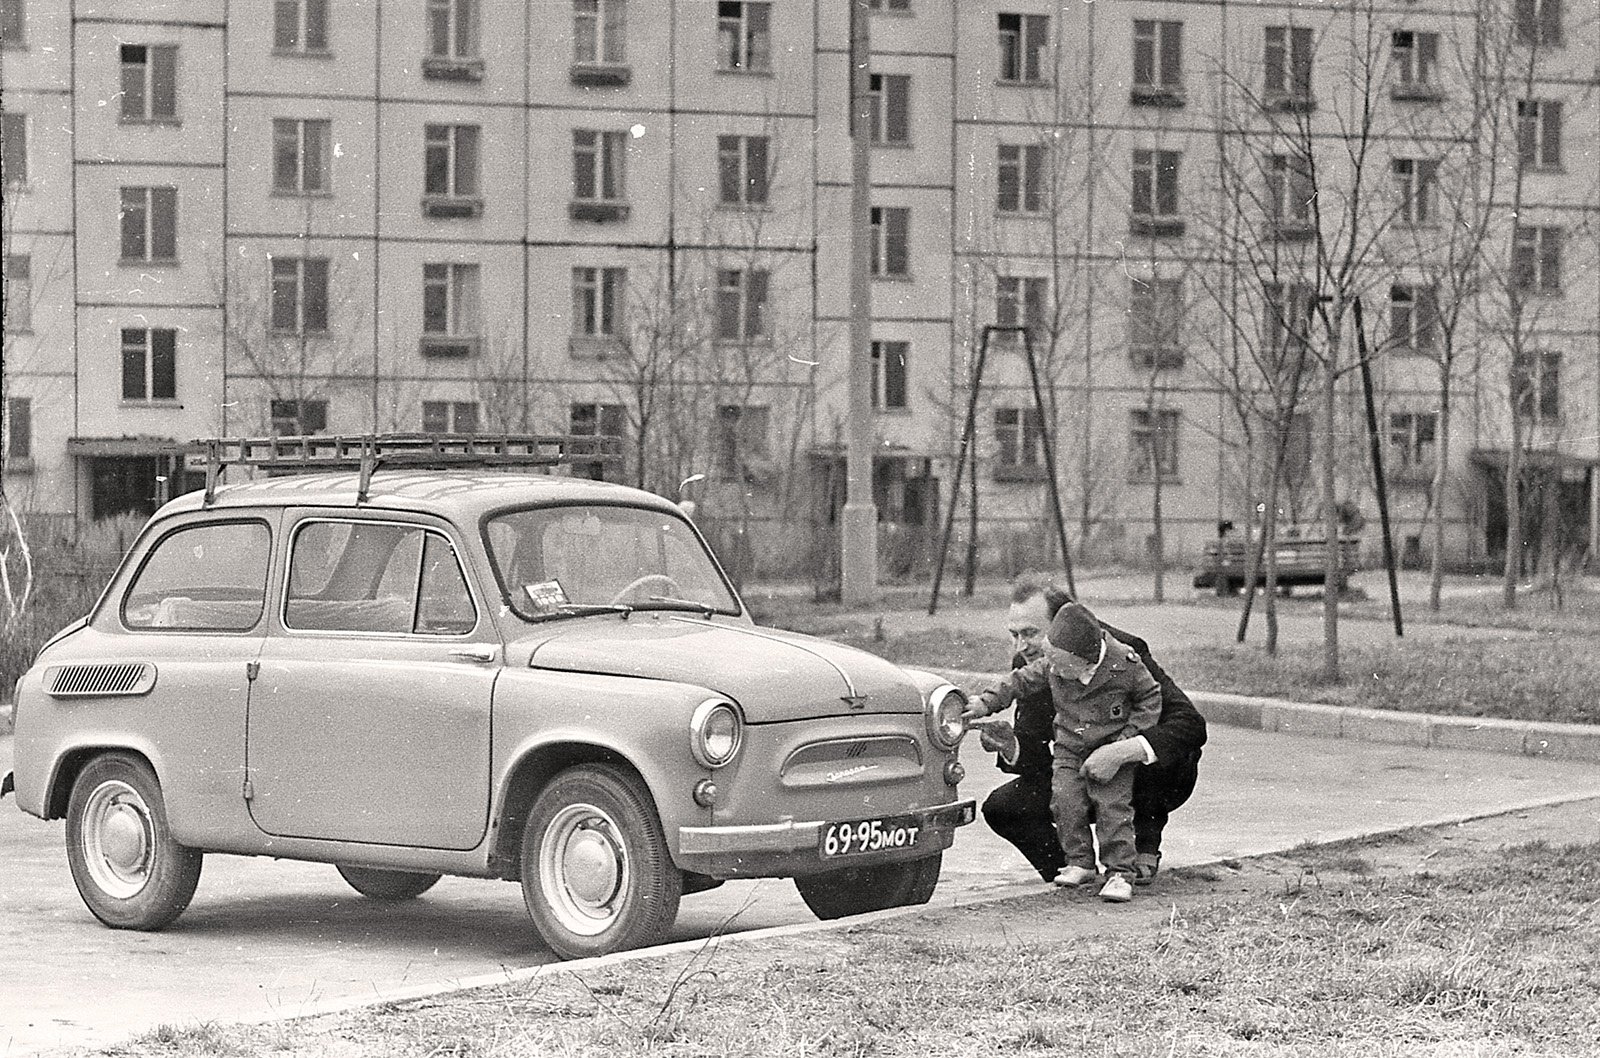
x: 369, y: 717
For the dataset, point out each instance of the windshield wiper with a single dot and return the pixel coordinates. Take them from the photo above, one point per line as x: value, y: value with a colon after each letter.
x: 667, y: 602
x: 583, y: 609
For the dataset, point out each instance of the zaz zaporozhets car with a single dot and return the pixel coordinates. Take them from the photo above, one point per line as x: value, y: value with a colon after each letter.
x: 412, y: 657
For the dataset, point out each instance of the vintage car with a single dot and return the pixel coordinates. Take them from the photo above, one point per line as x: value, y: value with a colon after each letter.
x: 431, y: 659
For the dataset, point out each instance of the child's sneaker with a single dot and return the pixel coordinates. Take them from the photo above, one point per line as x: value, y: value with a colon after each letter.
x: 1145, y: 866
x: 1075, y: 876
x: 1117, y: 890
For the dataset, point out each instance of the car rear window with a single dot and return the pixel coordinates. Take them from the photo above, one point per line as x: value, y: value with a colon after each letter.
x: 202, y: 578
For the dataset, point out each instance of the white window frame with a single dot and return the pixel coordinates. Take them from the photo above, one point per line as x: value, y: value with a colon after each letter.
x: 149, y: 85
x: 1289, y: 189
x: 891, y: 242
x: 1025, y: 162
x: 1414, y: 58
x: 599, y: 302
x: 453, y: 29
x: 602, y: 156
x: 1158, y: 50
x: 14, y: 136
x: 306, y: 16
x: 744, y: 36
x: 888, y: 93
x: 1413, y: 440
x: 1153, y: 444
x: 141, y: 208
x: 19, y: 293
x: 747, y: 292
x: 144, y: 345
x: 451, y: 416
x: 461, y: 147
x: 744, y: 170
x: 302, y: 156
x: 457, y: 288
x: 1023, y: 46
x: 1539, y: 133
x: 299, y: 276
x: 891, y: 363
x: 1536, y: 265
x: 1416, y: 182
x: 600, y: 32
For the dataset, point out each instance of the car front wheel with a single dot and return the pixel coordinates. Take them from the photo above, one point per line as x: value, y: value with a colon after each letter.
x: 596, y: 872
x: 857, y: 890
x: 128, y: 868
x: 378, y: 884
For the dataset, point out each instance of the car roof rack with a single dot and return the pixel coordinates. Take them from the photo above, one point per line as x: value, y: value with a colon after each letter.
x: 368, y: 452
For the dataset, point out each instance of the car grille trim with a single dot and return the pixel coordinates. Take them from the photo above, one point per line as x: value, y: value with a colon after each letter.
x: 851, y: 750
x: 99, y: 680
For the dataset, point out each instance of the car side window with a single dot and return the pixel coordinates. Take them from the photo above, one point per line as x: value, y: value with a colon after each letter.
x: 202, y: 578
x: 376, y: 577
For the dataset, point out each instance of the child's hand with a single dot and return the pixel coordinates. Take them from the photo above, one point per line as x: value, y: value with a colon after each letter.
x: 1104, y: 763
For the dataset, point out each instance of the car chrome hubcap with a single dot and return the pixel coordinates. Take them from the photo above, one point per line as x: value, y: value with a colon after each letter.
x: 584, y: 869
x: 118, y: 838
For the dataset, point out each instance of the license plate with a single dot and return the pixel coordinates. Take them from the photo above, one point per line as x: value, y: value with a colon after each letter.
x: 869, y: 835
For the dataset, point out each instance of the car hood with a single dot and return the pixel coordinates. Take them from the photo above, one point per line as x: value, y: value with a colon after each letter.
x: 773, y: 675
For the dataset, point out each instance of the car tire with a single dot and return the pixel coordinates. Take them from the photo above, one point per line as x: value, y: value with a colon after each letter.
x: 130, y: 871
x: 857, y: 890
x: 391, y: 886
x: 597, y: 875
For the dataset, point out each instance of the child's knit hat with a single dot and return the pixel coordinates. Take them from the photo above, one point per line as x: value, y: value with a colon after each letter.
x: 1076, y: 630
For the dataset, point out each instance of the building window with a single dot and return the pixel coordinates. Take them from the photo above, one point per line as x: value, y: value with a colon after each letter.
x: 745, y: 35
x: 742, y: 305
x: 891, y: 241
x: 450, y: 416
x: 889, y: 5
x: 889, y: 97
x: 599, y: 175
x: 889, y: 368
x: 1289, y: 194
x: 1536, y: 260
x: 1286, y: 321
x: 19, y: 293
x: 1157, y: 62
x: 1020, y: 302
x: 19, y: 431
x: 1412, y: 436
x: 298, y: 418
x: 1153, y: 443
x: 301, y: 151
x: 450, y: 170
x: 1416, y: 183
x: 149, y: 224
x: 13, y: 25
x: 1018, y: 452
x: 1023, y: 39
x: 1155, y: 194
x: 1413, y: 318
x: 597, y: 302
x: 1539, y: 133
x: 300, y: 295
x: 599, y: 420
x: 451, y: 322
x: 1539, y: 22
x: 741, y: 447
x: 1021, y: 179
x: 149, y: 364
x: 742, y: 170
x: 1287, y: 58
x: 1155, y: 323
x: 599, y: 31
x: 453, y: 29
x: 1536, y: 383
x: 149, y: 82
x: 300, y: 26
x: 14, y: 150
x: 1414, y: 59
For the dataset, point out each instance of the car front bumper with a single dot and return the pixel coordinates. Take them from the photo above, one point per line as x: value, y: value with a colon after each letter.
x: 780, y: 850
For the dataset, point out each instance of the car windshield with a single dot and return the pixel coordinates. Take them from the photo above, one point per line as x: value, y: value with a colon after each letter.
x: 572, y: 560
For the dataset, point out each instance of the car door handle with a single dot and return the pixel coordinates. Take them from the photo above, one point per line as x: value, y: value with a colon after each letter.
x: 473, y: 653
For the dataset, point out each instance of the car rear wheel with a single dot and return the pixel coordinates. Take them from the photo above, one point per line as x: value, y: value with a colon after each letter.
x: 128, y: 868
x: 596, y: 872
x: 857, y: 890
x: 379, y: 884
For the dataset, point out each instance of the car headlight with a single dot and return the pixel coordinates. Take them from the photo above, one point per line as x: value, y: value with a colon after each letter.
x: 715, y: 732
x: 945, y: 723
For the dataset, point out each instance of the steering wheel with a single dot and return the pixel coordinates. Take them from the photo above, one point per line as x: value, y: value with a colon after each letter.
x: 669, y: 585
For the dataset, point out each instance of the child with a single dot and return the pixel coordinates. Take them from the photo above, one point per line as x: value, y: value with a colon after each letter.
x: 1102, y: 693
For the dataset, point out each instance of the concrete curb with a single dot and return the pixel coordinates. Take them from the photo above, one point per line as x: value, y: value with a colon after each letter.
x: 1528, y: 738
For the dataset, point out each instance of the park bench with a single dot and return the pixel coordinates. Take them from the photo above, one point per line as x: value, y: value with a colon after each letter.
x: 1300, y: 560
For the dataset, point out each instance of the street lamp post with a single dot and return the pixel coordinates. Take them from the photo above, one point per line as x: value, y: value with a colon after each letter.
x: 858, y: 561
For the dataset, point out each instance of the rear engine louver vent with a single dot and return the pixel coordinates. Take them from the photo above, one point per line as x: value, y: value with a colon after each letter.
x: 99, y: 681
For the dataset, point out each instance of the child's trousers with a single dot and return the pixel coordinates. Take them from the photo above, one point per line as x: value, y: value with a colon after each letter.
x: 1074, y: 799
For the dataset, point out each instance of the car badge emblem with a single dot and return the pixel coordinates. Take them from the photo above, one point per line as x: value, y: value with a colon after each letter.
x: 840, y: 776
x: 855, y: 701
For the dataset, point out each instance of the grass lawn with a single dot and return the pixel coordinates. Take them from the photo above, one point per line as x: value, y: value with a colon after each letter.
x: 1436, y: 942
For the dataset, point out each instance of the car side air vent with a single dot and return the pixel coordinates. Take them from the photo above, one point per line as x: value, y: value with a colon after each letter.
x: 99, y: 681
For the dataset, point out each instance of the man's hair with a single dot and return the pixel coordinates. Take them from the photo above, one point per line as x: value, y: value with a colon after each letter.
x: 1032, y: 584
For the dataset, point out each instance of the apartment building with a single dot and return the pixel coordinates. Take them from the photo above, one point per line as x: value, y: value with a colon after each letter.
x: 631, y: 217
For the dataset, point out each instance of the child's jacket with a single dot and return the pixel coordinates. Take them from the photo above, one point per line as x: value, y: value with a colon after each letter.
x: 1121, y: 700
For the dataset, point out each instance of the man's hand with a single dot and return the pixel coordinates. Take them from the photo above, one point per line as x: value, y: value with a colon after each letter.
x: 975, y: 709
x: 997, y: 736
x: 1110, y: 758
